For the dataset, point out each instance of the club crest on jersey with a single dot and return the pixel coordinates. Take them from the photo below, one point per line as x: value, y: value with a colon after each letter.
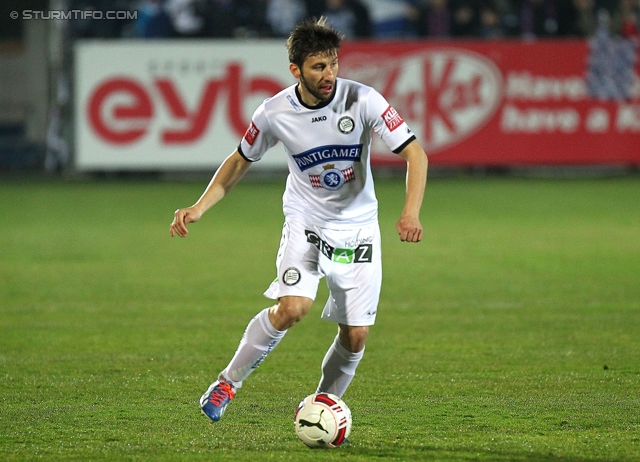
x: 346, y: 125
x: 332, y: 178
x: 291, y: 276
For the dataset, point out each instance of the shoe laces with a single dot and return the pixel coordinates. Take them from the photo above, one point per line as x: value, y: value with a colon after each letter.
x: 220, y: 393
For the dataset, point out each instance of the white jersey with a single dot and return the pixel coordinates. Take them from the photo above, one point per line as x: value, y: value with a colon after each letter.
x: 328, y: 151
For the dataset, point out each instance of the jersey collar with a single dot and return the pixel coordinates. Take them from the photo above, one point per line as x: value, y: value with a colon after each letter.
x: 321, y: 105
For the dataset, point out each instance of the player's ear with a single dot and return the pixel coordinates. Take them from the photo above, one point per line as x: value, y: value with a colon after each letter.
x: 295, y: 70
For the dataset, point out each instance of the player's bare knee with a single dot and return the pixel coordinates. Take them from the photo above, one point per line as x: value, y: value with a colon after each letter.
x: 283, y: 315
x: 353, y: 338
x: 289, y: 311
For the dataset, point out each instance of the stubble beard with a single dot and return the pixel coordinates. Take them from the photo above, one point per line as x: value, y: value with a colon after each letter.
x: 315, y: 92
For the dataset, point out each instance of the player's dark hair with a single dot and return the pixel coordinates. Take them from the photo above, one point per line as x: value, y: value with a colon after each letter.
x: 311, y: 37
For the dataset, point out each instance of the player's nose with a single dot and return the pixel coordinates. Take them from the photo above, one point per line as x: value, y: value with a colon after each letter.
x: 329, y: 73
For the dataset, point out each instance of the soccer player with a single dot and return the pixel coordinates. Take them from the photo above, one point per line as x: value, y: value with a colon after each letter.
x: 331, y: 224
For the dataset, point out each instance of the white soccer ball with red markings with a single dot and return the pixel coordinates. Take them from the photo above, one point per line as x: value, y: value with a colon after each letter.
x: 322, y: 420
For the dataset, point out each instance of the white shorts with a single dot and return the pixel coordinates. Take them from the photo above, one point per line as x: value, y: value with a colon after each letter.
x: 350, y: 260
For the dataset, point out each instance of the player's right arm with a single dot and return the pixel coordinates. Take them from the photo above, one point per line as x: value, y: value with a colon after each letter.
x: 228, y: 174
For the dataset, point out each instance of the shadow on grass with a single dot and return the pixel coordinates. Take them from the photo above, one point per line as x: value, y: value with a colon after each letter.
x: 437, y: 454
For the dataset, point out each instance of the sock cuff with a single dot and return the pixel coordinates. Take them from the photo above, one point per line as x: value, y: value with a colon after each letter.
x: 268, y: 328
x: 236, y: 385
x: 346, y: 354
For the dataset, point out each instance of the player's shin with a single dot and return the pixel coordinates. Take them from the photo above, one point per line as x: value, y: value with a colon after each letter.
x: 338, y: 369
x: 259, y: 339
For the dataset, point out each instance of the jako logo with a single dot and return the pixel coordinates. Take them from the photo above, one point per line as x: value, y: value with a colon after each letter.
x: 445, y: 95
x: 120, y: 110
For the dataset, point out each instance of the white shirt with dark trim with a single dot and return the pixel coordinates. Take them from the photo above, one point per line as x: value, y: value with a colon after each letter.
x: 328, y: 151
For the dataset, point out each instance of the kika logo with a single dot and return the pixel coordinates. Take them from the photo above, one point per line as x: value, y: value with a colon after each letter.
x: 122, y: 110
x: 456, y: 92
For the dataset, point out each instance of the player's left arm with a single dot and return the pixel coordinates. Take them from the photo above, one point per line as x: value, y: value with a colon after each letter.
x: 408, y: 226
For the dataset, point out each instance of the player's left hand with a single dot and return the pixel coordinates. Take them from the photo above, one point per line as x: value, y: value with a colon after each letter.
x: 409, y: 228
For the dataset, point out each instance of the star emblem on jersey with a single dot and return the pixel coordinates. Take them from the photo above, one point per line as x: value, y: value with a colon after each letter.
x: 332, y: 178
x: 346, y: 124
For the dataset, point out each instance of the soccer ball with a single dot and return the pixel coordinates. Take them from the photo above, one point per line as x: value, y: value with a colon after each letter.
x: 322, y: 420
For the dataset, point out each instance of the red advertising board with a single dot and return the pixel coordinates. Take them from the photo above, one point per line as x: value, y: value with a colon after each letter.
x: 509, y: 102
x: 186, y: 104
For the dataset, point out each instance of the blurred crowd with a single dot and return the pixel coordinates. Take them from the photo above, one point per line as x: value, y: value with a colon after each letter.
x: 356, y: 19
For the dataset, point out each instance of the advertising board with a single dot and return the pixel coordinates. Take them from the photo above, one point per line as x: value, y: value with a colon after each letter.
x: 185, y: 105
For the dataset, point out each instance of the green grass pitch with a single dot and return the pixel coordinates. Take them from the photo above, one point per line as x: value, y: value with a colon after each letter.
x: 511, y: 333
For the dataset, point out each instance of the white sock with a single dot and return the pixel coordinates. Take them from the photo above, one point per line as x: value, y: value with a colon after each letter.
x: 260, y: 337
x: 338, y: 369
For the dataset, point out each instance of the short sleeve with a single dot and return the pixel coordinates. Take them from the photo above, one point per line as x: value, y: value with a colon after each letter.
x: 387, y: 122
x: 258, y: 138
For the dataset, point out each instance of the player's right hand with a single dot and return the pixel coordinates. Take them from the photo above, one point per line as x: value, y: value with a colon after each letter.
x: 181, y: 218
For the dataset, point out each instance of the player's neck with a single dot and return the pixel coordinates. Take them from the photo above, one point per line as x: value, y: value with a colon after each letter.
x: 307, y: 98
